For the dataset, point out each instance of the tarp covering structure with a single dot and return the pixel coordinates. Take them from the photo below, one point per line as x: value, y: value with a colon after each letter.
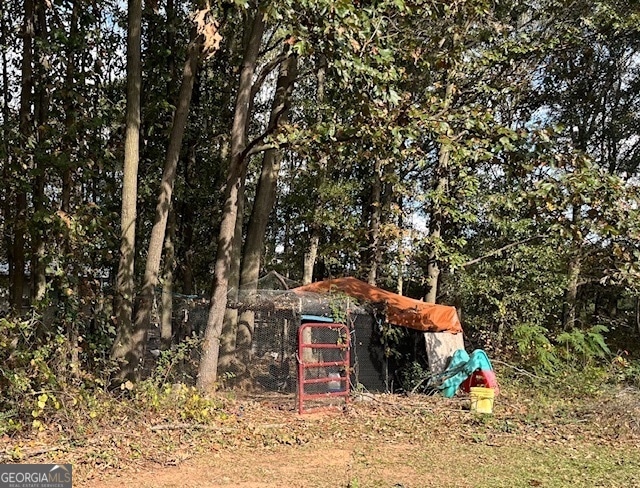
x: 400, y: 310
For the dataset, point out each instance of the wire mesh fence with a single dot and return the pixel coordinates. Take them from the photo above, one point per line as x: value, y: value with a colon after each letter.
x: 270, y: 319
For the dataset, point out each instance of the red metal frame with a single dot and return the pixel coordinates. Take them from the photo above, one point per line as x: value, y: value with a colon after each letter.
x: 302, y: 366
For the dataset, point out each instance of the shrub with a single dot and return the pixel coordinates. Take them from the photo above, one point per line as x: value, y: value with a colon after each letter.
x: 29, y: 364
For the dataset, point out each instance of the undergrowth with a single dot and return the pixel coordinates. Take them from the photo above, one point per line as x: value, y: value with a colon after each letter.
x: 41, y: 393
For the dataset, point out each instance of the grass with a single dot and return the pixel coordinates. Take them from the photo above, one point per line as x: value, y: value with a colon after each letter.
x: 467, y: 465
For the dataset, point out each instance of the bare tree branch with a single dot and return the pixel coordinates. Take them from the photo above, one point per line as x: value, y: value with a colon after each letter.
x: 264, y: 72
x: 272, y: 127
x: 503, y: 248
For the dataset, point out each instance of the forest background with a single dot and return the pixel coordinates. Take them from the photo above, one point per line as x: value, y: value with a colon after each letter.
x: 482, y: 154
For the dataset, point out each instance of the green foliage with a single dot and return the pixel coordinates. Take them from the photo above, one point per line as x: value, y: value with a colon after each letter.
x: 177, y: 364
x: 394, y: 340
x: 30, y: 364
x: 541, y: 146
x: 36, y: 368
x: 339, y: 306
x: 625, y: 371
x: 584, y: 346
x: 533, y: 343
x: 414, y: 377
x: 510, y: 298
x: 177, y: 400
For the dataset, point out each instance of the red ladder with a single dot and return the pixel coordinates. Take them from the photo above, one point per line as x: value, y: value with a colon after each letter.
x: 342, y: 346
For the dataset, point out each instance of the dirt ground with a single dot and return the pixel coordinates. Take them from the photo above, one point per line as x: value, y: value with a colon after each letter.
x: 377, y: 441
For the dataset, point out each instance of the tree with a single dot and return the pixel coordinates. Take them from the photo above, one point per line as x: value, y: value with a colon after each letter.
x: 207, y: 370
x: 154, y: 253
x: 16, y: 258
x: 263, y: 202
x: 128, y: 347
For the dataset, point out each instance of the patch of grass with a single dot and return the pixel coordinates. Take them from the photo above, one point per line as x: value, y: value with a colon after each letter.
x: 477, y: 465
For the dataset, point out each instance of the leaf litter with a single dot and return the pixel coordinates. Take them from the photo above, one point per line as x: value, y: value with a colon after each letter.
x: 377, y: 440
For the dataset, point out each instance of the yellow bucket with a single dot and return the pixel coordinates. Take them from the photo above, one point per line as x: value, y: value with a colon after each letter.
x: 482, y: 399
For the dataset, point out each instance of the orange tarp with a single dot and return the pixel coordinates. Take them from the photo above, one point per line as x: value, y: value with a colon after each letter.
x: 403, y: 311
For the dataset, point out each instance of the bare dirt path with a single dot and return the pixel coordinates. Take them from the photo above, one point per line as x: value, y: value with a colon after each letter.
x: 279, y: 467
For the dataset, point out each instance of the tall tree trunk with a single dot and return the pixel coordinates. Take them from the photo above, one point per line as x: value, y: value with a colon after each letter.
x: 442, y: 184
x: 5, y: 188
x: 439, y: 346
x: 571, y: 292
x: 230, y: 323
x: 207, y: 371
x: 573, y: 277
x: 70, y: 112
x: 375, y: 221
x: 166, y: 315
x: 401, y: 249
x: 637, y: 314
x: 4, y: 40
x: 17, y: 252
x: 154, y: 255
x: 69, y: 144
x: 171, y: 45
x: 263, y: 205
x: 311, y: 254
x: 38, y: 271
x: 128, y: 348
x: 186, y: 223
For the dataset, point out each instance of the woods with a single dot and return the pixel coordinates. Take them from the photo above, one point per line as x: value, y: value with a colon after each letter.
x: 474, y: 153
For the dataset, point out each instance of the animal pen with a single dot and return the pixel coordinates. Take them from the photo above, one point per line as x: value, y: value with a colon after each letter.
x: 322, y: 340
x: 305, y: 343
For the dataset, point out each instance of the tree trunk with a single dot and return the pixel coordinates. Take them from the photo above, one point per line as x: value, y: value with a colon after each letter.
x: 17, y: 251
x: 207, y: 371
x: 127, y: 348
x: 154, y: 255
x: 69, y: 144
x: 573, y: 275
x: 637, y: 314
x: 263, y: 205
x: 439, y: 345
x: 230, y: 323
x: 186, y: 224
x: 4, y: 41
x: 401, y: 250
x: 38, y: 271
x: 70, y: 113
x: 5, y: 191
x: 171, y: 27
x: 166, y: 315
x: 442, y: 184
x: 571, y: 290
x: 571, y: 293
x: 374, y: 223
x: 311, y: 254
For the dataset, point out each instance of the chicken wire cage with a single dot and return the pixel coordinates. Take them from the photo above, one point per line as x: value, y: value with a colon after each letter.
x: 269, y: 317
x: 274, y: 319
